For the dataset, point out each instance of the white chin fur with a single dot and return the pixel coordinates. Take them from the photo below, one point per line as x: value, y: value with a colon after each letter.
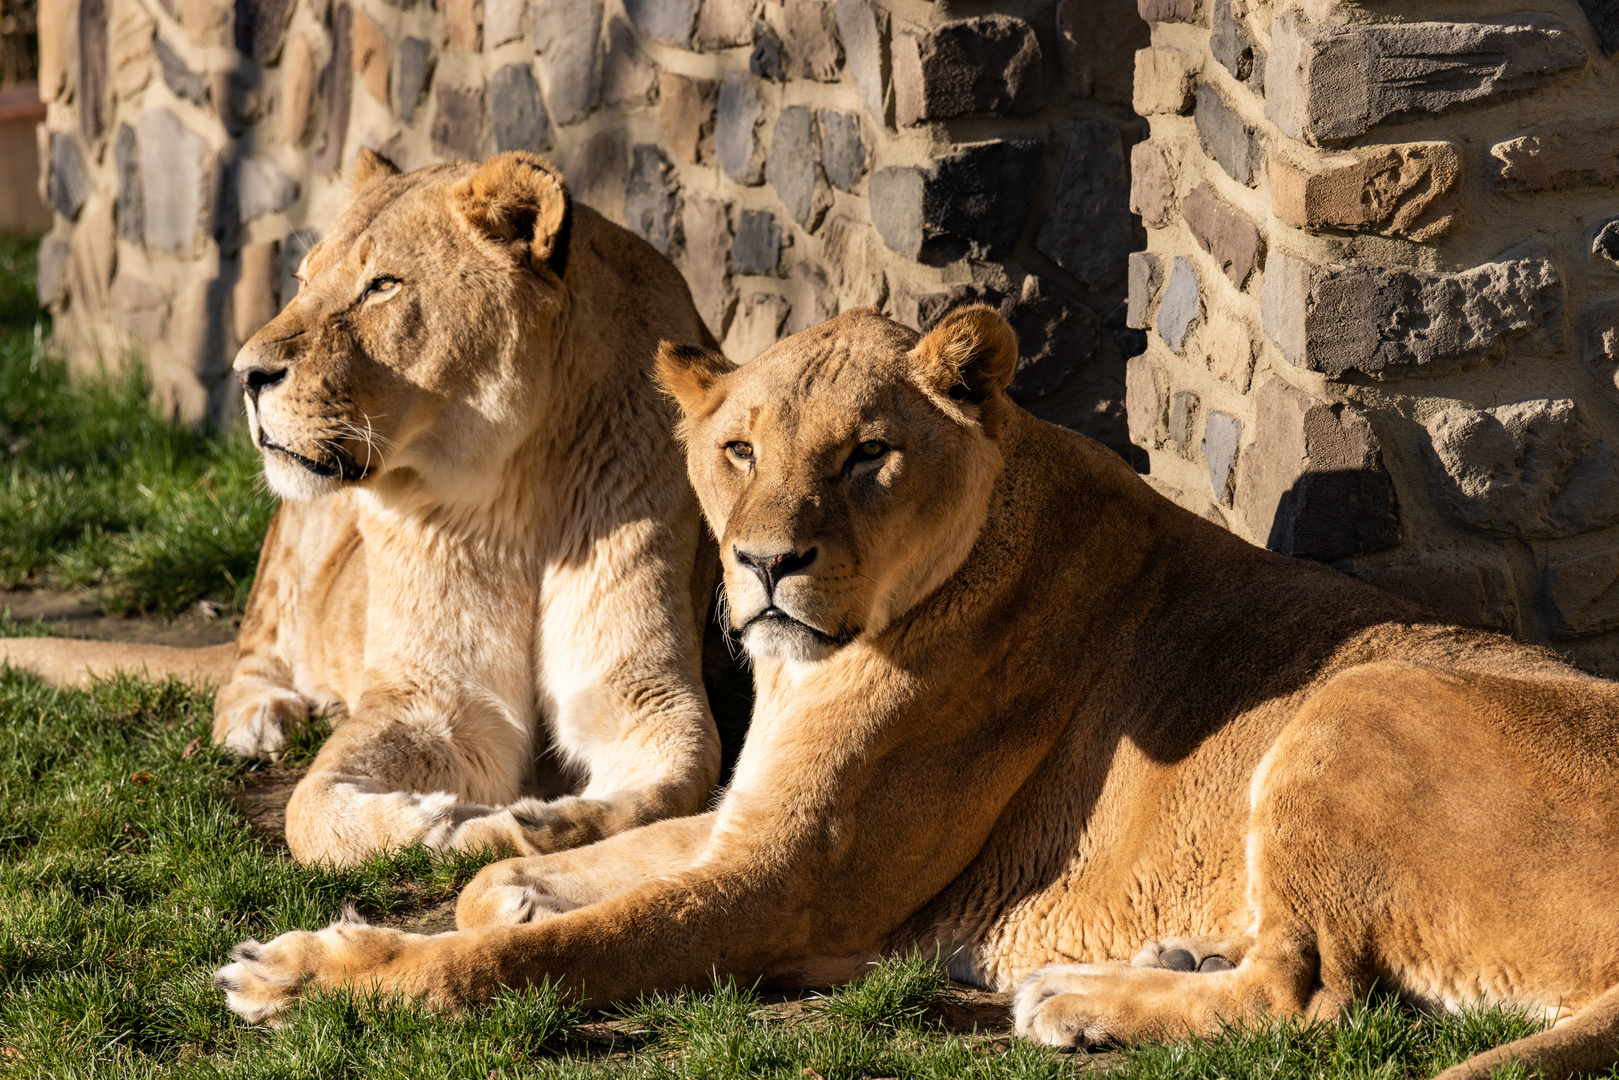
x: 292, y: 481
x: 777, y: 640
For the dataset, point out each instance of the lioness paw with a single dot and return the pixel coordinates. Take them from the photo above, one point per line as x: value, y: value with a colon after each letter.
x: 259, y: 728
x: 1054, y: 1006
x: 1203, y: 954
x: 264, y: 980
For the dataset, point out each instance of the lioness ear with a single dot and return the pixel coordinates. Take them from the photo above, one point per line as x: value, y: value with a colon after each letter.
x: 369, y: 166
x: 687, y: 373
x: 971, y: 355
x: 518, y: 198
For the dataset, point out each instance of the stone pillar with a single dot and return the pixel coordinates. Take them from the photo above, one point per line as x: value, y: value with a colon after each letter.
x: 1381, y: 296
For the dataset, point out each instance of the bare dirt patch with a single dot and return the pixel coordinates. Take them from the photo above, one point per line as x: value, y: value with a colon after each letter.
x: 76, y: 614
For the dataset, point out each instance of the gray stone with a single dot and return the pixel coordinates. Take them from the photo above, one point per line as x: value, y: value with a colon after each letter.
x: 991, y: 64
x: 91, y: 92
x: 1605, y: 243
x: 567, y: 33
x: 1222, y: 435
x: 261, y: 28
x: 686, y: 116
x: 766, y: 60
x: 669, y: 21
x: 971, y: 203
x: 1604, y: 18
x: 1226, y: 138
x: 173, y: 170
x: 262, y: 188
x: 651, y: 197
x: 811, y: 296
x: 1389, y: 322
x: 812, y: 39
x: 293, y: 249
x: 1146, y: 274
x: 1585, y: 594
x: 457, y: 130
x: 139, y: 308
x: 843, y: 151
x: 724, y: 23
x: 1184, y: 409
x: 1181, y: 305
x: 1224, y: 233
x: 416, y: 62
x: 503, y: 21
x: 862, y: 28
x: 131, y: 209
x: 757, y: 249
x: 895, y: 197
x: 1057, y: 340
x: 629, y: 79
x: 50, y: 280
x: 1468, y: 588
x: 1230, y: 43
x: 1182, y: 11
x: 708, y: 259
x: 1336, y: 82
x: 794, y: 168
x: 1531, y: 469
x: 1097, y: 44
x: 1568, y: 152
x: 69, y: 183
x: 736, y: 122
x: 1087, y: 228
x: 336, y: 83
x: 516, y: 114
x: 185, y: 83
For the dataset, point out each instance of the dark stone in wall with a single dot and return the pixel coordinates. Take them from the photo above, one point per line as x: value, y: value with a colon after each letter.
x: 991, y: 64
x: 92, y: 88
x: 1230, y: 43
x: 978, y: 197
x: 1604, y: 17
x: 1226, y: 138
x: 516, y: 114
x: 737, y: 116
x: 794, y: 169
x: 1087, y: 228
x: 669, y: 21
x: 1183, y: 11
x: 261, y: 27
x: 1606, y: 242
x: 186, y: 84
x: 335, y: 83
x: 757, y: 249
x: 416, y: 61
x: 457, y: 130
x: 69, y: 183
x: 1097, y: 41
x: 652, y: 197
x: 131, y: 208
x: 765, y: 60
x: 843, y: 151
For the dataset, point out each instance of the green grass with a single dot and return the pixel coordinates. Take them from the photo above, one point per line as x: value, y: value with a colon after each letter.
x: 99, y: 490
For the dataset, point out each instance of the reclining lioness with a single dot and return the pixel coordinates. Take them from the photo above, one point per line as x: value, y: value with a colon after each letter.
x: 488, y: 550
x: 1015, y: 705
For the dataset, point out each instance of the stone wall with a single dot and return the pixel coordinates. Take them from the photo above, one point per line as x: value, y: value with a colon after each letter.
x: 1381, y: 294
x: 793, y: 158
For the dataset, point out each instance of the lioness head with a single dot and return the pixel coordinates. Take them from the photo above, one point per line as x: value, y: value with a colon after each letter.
x: 846, y: 471
x: 415, y: 345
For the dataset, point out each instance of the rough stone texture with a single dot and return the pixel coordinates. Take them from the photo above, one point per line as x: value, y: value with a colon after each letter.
x: 669, y: 21
x: 1057, y: 339
x: 1530, y: 469
x: 1604, y: 18
x: 416, y: 63
x: 1606, y: 242
x: 204, y: 21
x: 516, y: 115
x: 50, y: 281
x: 1152, y: 184
x: 130, y: 49
x: 261, y: 27
x: 93, y: 257
x: 297, y: 90
x: 196, y: 332
x: 462, y: 31
x: 1226, y: 138
x: 1584, y: 594
x: 1601, y: 345
x: 131, y: 208
x: 1087, y: 228
x: 1232, y: 45
x: 1228, y: 350
x: 723, y: 23
x: 651, y: 197
x: 1405, y: 189
x: 503, y: 21
x: 740, y: 112
x: 1312, y: 481
x: 812, y: 39
x: 458, y: 122
x: 185, y: 84
x: 1181, y: 305
x: 1094, y: 44
x: 335, y: 83
x: 758, y: 243
x: 629, y: 79
x: 1224, y: 233
x: 970, y: 203
x: 757, y: 325
x: 843, y: 151
x: 1146, y: 274
x: 1222, y: 435
x: 293, y: 249
x: 686, y: 114
x: 139, y: 308
x: 1390, y: 321
x: 863, y: 28
x: 598, y: 170
x: 708, y: 259
x: 896, y: 196
x: 263, y: 188
x: 253, y: 299
x: 856, y: 262
x: 567, y: 33
x: 1182, y: 11
x: 794, y: 167
x: 69, y: 183
x: 91, y: 91
x: 370, y: 57
x: 1472, y: 588
x: 992, y: 64
x: 1561, y: 153
x: 1146, y: 402
x: 173, y: 168
x: 1335, y: 82
x: 809, y: 292
x: 766, y: 59
x: 1185, y: 407
x: 1165, y: 81
x: 55, y: 51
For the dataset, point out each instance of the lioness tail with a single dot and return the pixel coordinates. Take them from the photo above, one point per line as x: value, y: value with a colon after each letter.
x: 71, y: 662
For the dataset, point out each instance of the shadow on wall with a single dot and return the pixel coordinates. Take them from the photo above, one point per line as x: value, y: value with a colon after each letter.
x: 1335, y: 514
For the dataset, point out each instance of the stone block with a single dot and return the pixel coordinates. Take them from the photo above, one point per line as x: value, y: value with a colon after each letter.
x: 1562, y: 153
x: 50, y: 279
x: 69, y: 183
x: 416, y: 62
x: 1532, y: 469
x: 1404, y: 189
x: 598, y: 170
x: 669, y: 21
x: 895, y: 196
x: 708, y: 259
x: 297, y: 90
x: 1312, y: 481
x: 991, y: 64
x: 686, y: 114
x: 1606, y: 242
x: 1087, y: 228
x: 462, y: 31
x: 55, y: 37
x: 1222, y: 435
x: 1389, y: 322
x: 131, y: 48
x: 263, y: 188
x: 1601, y: 345
x: 1152, y: 184
x: 921, y: 311
x: 184, y: 83
x: 516, y: 115
x: 293, y: 249
x: 724, y: 23
x: 863, y: 29
x: 1228, y: 350
x: 1583, y: 594
x: 503, y: 21
x: 812, y: 39
x: 261, y: 27
x: 1184, y: 409
x: 794, y: 167
x: 1181, y: 304
x: 856, y: 261
x: 1335, y: 82
x: 91, y: 92
x: 971, y: 203
x: 92, y: 258
x: 1472, y: 588
x: 1231, y: 43
x: 369, y: 57
x: 1224, y: 233
x: 757, y: 249
x: 843, y: 151
x: 1058, y: 339
x: 335, y: 83
x: 757, y: 326
x: 253, y: 298
x: 1146, y: 402
x: 131, y: 208
x: 1604, y: 19
x: 1165, y: 81
x: 204, y: 21
x: 1227, y: 138
x: 1096, y: 44
x: 173, y: 169
x: 238, y: 97
x: 652, y: 197
x: 193, y: 349
x: 457, y: 130
x: 1181, y: 11
x: 139, y: 308
x: 567, y: 33
x: 811, y: 297
x: 1146, y: 274
x: 767, y: 60
x: 629, y: 79
x: 740, y: 112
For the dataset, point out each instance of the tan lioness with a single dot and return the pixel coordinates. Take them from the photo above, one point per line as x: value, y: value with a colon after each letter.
x: 1016, y: 705
x: 488, y: 550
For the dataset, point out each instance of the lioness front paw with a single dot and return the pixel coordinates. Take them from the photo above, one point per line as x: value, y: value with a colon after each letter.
x: 1203, y: 954
x: 266, y: 979
x: 259, y: 727
x: 1054, y: 1007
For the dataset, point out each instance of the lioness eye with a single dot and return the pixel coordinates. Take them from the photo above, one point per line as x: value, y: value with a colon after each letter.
x: 740, y: 450
x: 380, y: 288
x: 870, y: 450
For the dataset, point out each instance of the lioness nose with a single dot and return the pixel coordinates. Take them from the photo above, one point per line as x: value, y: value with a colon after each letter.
x: 770, y: 569
x: 254, y: 379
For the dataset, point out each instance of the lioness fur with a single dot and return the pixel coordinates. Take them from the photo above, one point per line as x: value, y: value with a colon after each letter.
x: 1016, y: 706
x: 488, y: 551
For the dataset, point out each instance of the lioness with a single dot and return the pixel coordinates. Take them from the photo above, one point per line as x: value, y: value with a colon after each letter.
x: 1015, y: 705
x: 488, y: 551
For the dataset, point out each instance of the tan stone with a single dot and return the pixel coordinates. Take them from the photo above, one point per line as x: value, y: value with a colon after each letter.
x: 461, y: 29
x: 629, y: 79
x: 1405, y: 189
x: 724, y: 23
x: 812, y: 39
x: 1166, y: 82
x: 756, y: 327
x: 708, y: 259
x: 55, y: 47
x: 253, y: 300
x: 93, y: 257
x: 1152, y: 184
x: 204, y: 21
x: 131, y: 48
x: 1562, y: 153
x: 1229, y: 350
x: 370, y: 56
x: 139, y: 308
x: 187, y: 350
x: 855, y: 258
x: 298, y: 73
x: 811, y: 296
x: 686, y: 115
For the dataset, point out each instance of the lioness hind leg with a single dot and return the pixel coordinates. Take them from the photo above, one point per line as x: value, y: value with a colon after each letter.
x: 1203, y: 954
